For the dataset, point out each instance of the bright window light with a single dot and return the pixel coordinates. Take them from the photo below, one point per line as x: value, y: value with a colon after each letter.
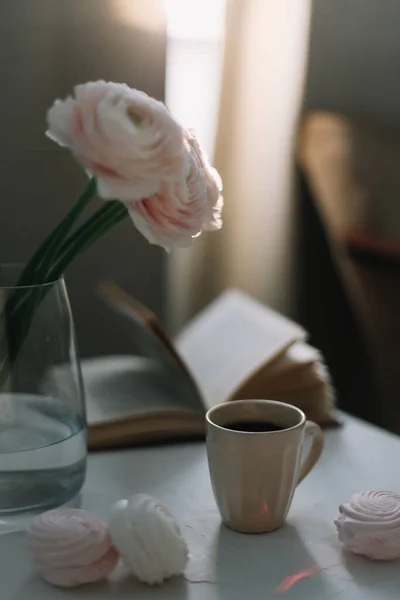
x: 195, y: 19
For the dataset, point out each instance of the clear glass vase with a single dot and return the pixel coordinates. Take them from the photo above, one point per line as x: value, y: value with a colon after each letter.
x: 42, y: 410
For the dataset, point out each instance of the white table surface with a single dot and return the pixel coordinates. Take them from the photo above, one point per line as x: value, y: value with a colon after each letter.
x: 301, y: 561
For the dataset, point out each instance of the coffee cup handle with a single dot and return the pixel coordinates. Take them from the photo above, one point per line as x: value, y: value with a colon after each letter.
x: 317, y: 445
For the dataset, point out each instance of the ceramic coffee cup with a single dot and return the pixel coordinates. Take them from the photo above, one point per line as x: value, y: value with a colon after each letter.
x: 255, y: 450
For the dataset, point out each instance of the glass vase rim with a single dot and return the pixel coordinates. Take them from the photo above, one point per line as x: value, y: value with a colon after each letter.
x: 19, y: 266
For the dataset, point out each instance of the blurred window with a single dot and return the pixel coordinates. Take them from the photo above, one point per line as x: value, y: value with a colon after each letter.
x: 194, y: 64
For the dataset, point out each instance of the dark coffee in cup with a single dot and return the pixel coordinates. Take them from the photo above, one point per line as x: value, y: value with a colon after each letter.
x: 253, y: 426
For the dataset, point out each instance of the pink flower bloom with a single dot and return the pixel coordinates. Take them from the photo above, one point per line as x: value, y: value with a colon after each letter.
x: 179, y: 212
x: 175, y: 214
x: 129, y: 141
x: 214, y: 199
x: 140, y: 155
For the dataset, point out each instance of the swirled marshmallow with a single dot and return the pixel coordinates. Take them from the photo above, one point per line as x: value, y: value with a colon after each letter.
x: 148, y: 539
x: 369, y: 524
x: 71, y: 547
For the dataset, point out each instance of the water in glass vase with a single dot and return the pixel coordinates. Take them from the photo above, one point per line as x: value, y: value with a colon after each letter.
x: 42, y: 407
x: 42, y: 454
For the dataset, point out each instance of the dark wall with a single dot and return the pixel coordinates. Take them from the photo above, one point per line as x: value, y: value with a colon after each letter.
x: 355, y: 57
x: 46, y: 47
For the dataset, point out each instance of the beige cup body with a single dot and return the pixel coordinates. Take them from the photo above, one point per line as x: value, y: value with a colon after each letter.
x: 254, y: 475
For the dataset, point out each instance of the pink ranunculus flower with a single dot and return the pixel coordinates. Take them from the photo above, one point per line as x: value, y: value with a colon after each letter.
x: 129, y: 141
x: 177, y: 213
x: 214, y: 199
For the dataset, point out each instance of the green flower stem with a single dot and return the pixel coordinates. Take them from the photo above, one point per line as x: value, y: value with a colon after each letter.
x: 20, y: 318
x: 36, y: 269
x: 46, y: 252
x: 98, y: 225
x: 95, y: 222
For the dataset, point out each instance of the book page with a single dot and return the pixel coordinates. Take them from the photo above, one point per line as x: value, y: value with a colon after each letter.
x: 230, y: 340
x: 122, y: 386
x: 298, y: 356
x: 294, y: 381
x: 153, y: 341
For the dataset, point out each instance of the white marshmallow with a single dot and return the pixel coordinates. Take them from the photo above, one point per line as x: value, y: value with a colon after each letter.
x: 148, y: 539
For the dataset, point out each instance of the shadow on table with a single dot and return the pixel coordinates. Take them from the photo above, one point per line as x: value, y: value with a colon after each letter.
x: 274, y: 564
x: 239, y: 567
x: 383, y: 576
x: 126, y: 587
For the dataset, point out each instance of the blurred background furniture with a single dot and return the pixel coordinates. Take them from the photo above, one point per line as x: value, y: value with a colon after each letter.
x: 350, y: 286
x: 349, y: 201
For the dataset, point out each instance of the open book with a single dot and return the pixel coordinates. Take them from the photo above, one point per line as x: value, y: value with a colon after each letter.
x: 236, y: 348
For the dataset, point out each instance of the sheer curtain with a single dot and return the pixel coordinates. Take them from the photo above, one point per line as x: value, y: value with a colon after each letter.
x: 265, y: 53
